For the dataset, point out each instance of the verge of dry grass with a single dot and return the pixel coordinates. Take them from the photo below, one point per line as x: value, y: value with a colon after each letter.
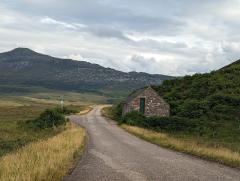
x: 222, y: 155
x: 44, y: 160
x: 86, y: 110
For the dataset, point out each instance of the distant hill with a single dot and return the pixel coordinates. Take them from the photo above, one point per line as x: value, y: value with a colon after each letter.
x: 211, y: 101
x: 25, y: 67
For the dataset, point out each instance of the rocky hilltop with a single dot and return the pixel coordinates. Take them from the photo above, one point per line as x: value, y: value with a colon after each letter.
x: 23, y: 66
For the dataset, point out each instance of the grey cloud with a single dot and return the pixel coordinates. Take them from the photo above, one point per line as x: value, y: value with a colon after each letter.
x: 98, y: 30
x: 171, y: 37
x: 92, y: 12
x: 151, y: 65
x: 107, y: 32
x: 162, y: 46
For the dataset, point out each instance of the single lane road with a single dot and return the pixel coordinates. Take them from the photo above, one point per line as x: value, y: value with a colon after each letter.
x: 113, y: 154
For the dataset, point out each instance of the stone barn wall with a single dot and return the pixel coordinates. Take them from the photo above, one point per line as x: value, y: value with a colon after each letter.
x: 154, y: 104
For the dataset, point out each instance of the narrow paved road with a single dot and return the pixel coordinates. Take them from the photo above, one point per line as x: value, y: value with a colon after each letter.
x: 114, y: 154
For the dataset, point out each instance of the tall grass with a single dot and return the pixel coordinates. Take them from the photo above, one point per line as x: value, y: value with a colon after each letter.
x: 14, y: 135
x: 44, y: 160
x: 190, y: 146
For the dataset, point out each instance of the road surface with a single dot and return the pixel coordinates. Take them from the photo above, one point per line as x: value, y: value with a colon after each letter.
x: 113, y: 154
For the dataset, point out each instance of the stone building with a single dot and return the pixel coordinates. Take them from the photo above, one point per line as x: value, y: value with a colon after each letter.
x: 148, y: 102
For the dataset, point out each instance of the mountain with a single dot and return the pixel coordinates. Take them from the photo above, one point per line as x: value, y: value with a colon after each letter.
x: 23, y: 66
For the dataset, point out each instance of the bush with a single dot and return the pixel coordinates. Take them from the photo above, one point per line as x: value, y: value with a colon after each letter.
x: 65, y: 110
x: 193, y: 108
x: 116, y: 112
x: 173, y: 124
x: 231, y: 100
x: 48, y: 119
x: 134, y: 118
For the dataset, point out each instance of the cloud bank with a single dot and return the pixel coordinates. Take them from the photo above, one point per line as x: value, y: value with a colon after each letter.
x: 166, y: 37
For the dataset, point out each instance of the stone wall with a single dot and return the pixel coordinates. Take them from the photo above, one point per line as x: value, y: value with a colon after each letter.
x: 154, y: 104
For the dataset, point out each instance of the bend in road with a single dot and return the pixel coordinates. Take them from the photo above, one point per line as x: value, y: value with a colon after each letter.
x: 113, y: 154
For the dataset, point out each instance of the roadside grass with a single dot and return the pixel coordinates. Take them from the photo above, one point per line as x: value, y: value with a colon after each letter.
x: 86, y: 110
x: 12, y: 135
x: 108, y: 112
x: 48, y: 159
x: 190, y: 146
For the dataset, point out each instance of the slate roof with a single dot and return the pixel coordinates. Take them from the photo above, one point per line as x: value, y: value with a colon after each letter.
x: 135, y: 93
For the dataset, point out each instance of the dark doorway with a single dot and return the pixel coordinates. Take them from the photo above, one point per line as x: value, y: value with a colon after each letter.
x: 142, y: 105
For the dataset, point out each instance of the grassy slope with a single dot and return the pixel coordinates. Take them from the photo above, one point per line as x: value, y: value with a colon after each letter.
x: 44, y: 160
x: 44, y: 94
x: 16, y: 109
x: 210, y: 100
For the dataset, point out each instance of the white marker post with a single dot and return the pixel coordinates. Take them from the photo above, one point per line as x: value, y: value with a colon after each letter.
x: 62, y: 103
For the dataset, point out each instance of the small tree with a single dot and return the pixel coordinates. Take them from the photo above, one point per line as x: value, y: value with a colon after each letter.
x: 50, y: 118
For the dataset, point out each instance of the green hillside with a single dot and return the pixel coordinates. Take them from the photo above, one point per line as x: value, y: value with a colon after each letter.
x: 209, y: 102
x: 205, y: 95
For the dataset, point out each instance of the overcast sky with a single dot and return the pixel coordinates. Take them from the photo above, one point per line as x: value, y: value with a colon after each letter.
x: 174, y: 37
